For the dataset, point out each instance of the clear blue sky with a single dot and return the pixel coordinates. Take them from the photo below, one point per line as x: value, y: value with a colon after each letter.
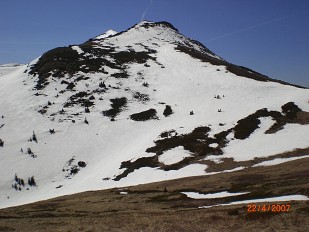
x: 269, y: 36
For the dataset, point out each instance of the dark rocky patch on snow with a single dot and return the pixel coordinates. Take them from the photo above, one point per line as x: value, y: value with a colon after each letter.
x: 167, y: 111
x: 141, y: 97
x: 80, y: 98
x: 196, y: 142
x: 139, y: 163
x: 162, y: 23
x: 168, y: 134
x: 291, y: 113
x: 191, y: 141
x: 246, y: 126
x: 71, y: 168
x: 132, y: 56
x: 117, y: 105
x: 122, y: 74
x: 64, y: 60
x: 144, y: 115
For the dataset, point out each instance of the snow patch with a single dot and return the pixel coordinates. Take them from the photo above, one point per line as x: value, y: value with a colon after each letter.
x: 196, y: 195
x: 213, y: 145
x: 214, y: 158
x: 270, y: 199
x: 78, y: 49
x: 174, y: 155
x: 106, y: 34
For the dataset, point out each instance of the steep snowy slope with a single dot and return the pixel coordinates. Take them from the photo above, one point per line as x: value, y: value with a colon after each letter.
x: 143, y: 105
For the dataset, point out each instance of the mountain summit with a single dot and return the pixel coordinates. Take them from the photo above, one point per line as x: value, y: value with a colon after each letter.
x: 143, y: 105
x: 106, y: 34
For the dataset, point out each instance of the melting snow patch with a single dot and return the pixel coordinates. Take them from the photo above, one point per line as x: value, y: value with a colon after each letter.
x: 106, y: 34
x: 195, y: 195
x: 270, y: 199
x: 214, y: 145
x: 279, y: 161
x: 78, y: 49
x: 213, y: 158
x: 174, y: 155
x: 123, y: 193
x: 230, y: 170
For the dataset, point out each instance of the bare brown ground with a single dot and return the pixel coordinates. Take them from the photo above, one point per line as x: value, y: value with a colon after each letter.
x: 229, y: 163
x: 150, y: 208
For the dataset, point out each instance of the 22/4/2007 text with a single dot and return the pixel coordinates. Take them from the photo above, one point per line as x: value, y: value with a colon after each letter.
x: 276, y: 208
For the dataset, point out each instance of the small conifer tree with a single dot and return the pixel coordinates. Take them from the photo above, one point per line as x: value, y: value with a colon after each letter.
x: 34, y: 137
x: 167, y: 111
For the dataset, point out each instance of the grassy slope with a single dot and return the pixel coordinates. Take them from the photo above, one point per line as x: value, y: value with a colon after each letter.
x: 149, y: 208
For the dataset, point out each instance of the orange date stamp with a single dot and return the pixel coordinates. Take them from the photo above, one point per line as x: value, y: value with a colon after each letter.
x: 274, y: 208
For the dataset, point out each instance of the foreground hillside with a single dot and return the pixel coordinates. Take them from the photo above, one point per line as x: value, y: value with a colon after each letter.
x: 144, y: 105
x: 164, y: 206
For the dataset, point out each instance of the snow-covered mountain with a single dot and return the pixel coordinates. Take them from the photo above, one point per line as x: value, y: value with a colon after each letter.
x: 143, y: 105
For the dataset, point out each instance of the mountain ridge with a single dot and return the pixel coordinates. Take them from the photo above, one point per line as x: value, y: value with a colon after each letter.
x: 202, y: 53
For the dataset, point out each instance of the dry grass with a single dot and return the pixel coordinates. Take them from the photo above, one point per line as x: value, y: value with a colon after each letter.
x: 150, y: 208
x: 230, y: 163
